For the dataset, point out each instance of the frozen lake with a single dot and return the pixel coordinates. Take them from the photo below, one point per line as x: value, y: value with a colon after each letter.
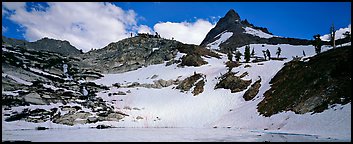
x: 156, y: 134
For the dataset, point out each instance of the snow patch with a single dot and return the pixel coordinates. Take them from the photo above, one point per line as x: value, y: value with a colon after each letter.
x: 154, y: 49
x: 42, y: 72
x: 258, y: 33
x: 224, y: 36
x: 19, y: 80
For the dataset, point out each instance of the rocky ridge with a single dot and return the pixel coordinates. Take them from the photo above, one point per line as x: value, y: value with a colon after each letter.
x: 45, y: 44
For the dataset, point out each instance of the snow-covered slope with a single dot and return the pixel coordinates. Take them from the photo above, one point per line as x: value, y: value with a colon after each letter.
x: 167, y: 107
x: 338, y: 35
x: 258, y: 33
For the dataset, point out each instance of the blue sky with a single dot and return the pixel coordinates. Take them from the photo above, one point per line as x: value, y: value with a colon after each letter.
x: 289, y: 19
x: 292, y: 19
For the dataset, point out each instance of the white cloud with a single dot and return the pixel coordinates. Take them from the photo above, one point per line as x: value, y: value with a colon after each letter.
x: 144, y: 29
x: 191, y: 33
x: 14, y: 5
x: 94, y: 25
x: 84, y: 25
x: 338, y: 35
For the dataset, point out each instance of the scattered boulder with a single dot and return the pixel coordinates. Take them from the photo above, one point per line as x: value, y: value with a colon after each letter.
x: 244, y: 74
x: 117, y: 85
x: 134, y: 84
x: 111, y: 116
x: 162, y: 83
x: 121, y: 93
x: 103, y: 126
x: 34, y: 98
x: 115, y: 117
x: 41, y: 128
x: 246, y: 66
x: 71, y: 118
x: 154, y: 76
x: 46, y: 96
x: 139, y: 117
x: 92, y: 119
x: 127, y: 108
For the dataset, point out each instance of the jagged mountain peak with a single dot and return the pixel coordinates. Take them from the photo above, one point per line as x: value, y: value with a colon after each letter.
x: 231, y: 32
x: 231, y: 19
x: 232, y: 15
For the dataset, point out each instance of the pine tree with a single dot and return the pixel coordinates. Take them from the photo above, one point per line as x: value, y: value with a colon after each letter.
x: 332, y: 36
x: 303, y: 53
x: 268, y: 54
x: 230, y: 55
x: 278, y: 52
x: 347, y: 34
x: 317, y: 43
x: 247, y: 53
x: 237, y: 56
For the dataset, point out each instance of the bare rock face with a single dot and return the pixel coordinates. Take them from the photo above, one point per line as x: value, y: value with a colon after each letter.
x: 158, y: 84
x: 252, y: 91
x: 115, y: 116
x: 198, y: 87
x: 192, y: 60
x: 34, y: 98
x: 130, y: 54
x: 187, y: 83
x: 196, y: 81
x: 121, y: 93
x: 92, y: 119
x: 73, y: 118
x: 310, y: 86
x: 232, y: 82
